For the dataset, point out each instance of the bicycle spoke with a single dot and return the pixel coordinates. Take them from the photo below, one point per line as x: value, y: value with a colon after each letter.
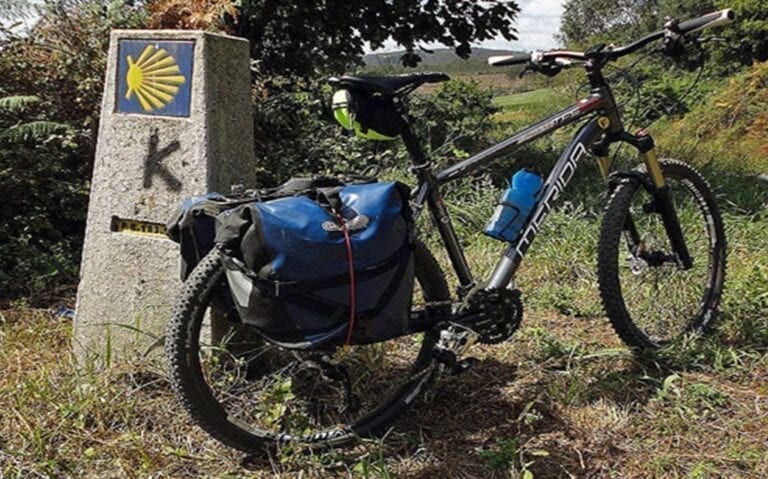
x: 662, y: 298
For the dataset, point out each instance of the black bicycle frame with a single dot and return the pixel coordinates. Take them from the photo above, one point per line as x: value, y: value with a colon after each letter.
x: 608, y: 121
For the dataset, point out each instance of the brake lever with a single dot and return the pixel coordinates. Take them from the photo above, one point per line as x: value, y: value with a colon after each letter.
x: 735, y: 49
x: 550, y: 69
x: 526, y: 71
x: 674, y: 42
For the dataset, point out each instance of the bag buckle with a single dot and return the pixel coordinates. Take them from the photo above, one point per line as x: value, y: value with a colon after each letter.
x: 357, y: 223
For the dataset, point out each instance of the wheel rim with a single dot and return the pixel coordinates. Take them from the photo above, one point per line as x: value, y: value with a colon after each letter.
x: 287, y: 396
x: 663, y: 300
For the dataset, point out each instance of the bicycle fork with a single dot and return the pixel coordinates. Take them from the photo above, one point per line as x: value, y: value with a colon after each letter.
x: 659, y: 191
x: 662, y: 204
x: 662, y: 201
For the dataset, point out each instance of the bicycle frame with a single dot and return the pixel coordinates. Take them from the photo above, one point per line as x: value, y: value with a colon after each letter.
x: 595, y: 136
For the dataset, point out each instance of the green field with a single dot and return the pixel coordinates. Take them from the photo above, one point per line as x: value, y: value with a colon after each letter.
x: 526, y: 99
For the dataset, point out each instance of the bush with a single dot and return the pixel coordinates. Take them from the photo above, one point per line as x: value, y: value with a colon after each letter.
x: 62, y: 61
x: 44, y: 170
x: 455, y: 120
x: 296, y: 133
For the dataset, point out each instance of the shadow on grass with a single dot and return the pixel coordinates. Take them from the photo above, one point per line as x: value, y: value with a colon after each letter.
x: 497, y: 418
x: 468, y: 419
x: 465, y: 425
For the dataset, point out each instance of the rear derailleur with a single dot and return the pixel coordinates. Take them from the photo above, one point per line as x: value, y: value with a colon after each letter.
x: 487, y: 316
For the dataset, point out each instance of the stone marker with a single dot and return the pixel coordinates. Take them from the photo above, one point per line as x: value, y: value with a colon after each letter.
x: 175, y: 122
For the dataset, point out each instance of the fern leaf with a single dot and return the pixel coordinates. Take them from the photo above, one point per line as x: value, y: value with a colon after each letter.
x: 34, y: 130
x: 17, y: 103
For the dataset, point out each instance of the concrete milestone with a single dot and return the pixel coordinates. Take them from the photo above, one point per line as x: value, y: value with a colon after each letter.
x: 175, y: 122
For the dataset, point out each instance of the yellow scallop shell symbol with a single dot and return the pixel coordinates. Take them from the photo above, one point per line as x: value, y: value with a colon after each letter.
x: 154, y: 78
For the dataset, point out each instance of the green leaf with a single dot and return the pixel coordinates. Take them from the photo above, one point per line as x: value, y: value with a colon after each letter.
x: 34, y: 130
x: 17, y: 103
x: 361, y: 468
x: 669, y: 382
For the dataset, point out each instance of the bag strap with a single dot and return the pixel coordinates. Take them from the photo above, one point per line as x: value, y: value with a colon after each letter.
x: 352, y: 280
x: 277, y: 289
x: 328, y: 198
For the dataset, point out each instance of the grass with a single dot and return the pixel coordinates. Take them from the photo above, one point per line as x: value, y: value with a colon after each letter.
x: 729, y: 130
x: 526, y: 99
x: 563, y: 399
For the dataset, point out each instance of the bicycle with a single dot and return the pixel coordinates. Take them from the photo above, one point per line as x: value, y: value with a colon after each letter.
x: 661, y: 227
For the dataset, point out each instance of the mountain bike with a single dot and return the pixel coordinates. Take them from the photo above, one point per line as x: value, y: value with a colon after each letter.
x: 660, y: 269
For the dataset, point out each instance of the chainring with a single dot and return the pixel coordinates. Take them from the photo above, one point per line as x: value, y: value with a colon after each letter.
x: 494, y: 314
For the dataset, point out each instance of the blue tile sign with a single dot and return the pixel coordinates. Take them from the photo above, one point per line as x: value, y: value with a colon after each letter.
x: 154, y: 77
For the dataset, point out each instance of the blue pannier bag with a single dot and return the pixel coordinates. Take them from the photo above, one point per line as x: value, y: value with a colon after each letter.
x: 288, y: 264
x: 193, y: 225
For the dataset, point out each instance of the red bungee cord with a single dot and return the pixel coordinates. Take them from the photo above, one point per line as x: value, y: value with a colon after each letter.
x: 352, y: 292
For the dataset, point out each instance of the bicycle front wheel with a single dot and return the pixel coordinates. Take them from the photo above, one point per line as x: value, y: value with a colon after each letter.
x: 648, y: 298
x: 251, y: 394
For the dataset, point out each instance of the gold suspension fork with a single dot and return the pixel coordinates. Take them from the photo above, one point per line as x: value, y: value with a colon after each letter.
x: 651, y: 162
x: 662, y: 199
x: 663, y: 202
x: 604, y: 163
x: 654, y: 169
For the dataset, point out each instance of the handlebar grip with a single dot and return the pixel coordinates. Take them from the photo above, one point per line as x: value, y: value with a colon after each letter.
x: 705, y: 21
x: 513, y: 59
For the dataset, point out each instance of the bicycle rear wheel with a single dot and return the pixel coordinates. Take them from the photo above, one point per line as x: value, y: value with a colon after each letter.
x: 648, y: 298
x: 249, y: 393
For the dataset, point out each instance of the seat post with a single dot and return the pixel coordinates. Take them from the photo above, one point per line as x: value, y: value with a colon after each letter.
x: 437, y: 208
x: 411, y: 142
x: 413, y: 147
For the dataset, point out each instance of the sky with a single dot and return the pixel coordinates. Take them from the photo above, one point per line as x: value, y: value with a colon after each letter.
x: 537, y: 23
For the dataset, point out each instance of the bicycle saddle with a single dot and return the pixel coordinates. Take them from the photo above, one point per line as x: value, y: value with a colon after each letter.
x: 387, y: 85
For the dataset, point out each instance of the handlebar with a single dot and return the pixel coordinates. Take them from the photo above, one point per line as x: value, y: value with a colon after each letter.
x: 513, y: 59
x: 714, y: 19
x: 557, y: 56
x: 562, y: 58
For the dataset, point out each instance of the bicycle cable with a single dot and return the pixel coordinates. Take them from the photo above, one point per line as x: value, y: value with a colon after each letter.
x: 670, y: 106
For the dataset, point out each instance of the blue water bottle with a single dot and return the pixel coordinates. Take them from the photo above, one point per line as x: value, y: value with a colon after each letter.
x: 514, y: 206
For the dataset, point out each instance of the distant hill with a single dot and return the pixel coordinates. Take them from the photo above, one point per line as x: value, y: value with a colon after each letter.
x: 443, y: 59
